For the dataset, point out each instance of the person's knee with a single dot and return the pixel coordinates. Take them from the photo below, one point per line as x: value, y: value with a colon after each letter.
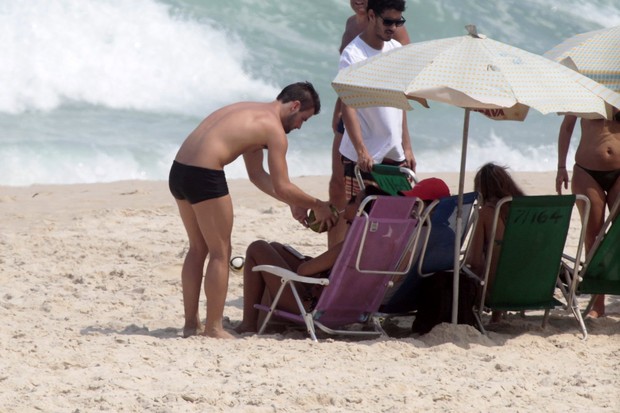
x: 198, y: 251
x: 256, y: 247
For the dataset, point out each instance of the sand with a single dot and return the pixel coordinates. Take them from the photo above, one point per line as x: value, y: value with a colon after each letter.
x: 90, y: 298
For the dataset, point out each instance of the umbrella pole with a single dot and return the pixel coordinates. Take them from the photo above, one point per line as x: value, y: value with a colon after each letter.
x: 459, y: 223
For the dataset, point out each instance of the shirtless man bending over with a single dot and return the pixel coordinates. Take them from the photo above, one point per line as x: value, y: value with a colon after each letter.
x: 198, y: 184
x: 596, y: 173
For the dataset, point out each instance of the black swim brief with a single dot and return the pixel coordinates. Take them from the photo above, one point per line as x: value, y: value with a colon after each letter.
x: 605, y: 179
x: 196, y: 184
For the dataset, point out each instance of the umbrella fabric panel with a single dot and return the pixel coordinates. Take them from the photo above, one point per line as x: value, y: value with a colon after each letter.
x: 472, y: 72
x: 595, y: 54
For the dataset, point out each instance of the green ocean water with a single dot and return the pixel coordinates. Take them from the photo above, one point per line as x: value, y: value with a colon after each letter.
x: 104, y: 90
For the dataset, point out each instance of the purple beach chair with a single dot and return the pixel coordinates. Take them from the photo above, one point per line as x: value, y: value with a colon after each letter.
x: 377, y: 247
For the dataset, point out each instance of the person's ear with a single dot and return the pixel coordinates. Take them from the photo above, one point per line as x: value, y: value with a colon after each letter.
x: 295, y: 106
x: 371, y: 15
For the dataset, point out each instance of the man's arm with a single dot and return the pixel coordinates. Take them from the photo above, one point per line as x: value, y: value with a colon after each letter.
x: 257, y: 174
x: 564, y: 137
x: 352, y: 126
x: 350, y: 119
x: 278, y: 185
x: 336, y: 115
x: 409, y: 156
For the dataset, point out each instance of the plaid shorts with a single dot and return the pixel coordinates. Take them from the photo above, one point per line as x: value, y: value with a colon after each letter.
x: 351, y: 184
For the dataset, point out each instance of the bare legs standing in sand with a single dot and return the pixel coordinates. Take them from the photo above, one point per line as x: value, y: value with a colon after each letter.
x: 596, y: 174
x: 203, y: 222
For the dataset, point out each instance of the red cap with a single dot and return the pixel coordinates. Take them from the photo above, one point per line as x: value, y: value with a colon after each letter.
x: 429, y: 189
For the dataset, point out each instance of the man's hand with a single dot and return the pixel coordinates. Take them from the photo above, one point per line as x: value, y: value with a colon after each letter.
x: 410, y: 161
x: 561, y: 179
x: 325, y: 216
x: 365, y: 161
x: 299, y: 214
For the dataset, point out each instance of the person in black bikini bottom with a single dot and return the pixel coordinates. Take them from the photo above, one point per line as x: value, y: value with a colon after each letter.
x: 605, y: 179
x: 596, y: 174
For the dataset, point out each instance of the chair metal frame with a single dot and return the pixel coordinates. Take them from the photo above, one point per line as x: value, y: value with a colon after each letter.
x: 312, y: 319
x: 484, y: 279
x: 575, y: 270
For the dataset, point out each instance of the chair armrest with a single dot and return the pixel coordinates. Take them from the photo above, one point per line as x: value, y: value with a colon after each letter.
x: 470, y: 274
x: 290, y: 275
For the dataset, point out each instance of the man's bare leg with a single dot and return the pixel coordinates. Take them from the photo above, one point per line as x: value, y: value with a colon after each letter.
x: 583, y: 183
x: 215, y: 219
x: 193, y: 267
x: 336, y: 193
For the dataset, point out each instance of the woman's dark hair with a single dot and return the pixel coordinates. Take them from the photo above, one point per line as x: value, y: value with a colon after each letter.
x: 379, y: 6
x: 303, y: 92
x: 493, y: 182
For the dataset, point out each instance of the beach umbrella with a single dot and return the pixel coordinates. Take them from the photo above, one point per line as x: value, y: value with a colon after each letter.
x: 594, y: 54
x: 478, y: 74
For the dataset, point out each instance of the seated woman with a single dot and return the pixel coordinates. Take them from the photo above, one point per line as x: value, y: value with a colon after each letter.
x: 493, y: 183
x: 273, y: 253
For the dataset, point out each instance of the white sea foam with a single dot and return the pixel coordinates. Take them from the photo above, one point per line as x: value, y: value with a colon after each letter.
x: 118, y: 54
x: 105, y: 90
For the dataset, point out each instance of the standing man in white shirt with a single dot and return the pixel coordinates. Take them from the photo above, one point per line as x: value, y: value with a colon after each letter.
x: 375, y: 134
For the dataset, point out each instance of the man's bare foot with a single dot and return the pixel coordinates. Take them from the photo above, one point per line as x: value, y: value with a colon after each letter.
x: 188, y: 332
x: 192, y: 329
x: 595, y: 314
x: 217, y: 333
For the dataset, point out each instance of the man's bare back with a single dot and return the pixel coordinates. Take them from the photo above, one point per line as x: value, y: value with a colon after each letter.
x: 231, y: 131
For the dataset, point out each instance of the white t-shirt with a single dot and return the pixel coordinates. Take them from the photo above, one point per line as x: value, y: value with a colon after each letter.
x: 382, y: 127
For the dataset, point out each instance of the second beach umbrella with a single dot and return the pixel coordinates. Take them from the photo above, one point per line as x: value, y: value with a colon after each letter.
x: 594, y: 54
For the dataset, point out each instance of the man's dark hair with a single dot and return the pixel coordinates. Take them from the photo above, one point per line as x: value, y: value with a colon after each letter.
x: 379, y: 6
x: 303, y: 92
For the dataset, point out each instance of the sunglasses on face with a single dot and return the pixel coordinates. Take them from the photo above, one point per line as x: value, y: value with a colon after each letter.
x: 390, y: 22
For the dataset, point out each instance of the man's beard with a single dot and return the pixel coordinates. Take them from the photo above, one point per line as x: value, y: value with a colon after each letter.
x: 288, y: 123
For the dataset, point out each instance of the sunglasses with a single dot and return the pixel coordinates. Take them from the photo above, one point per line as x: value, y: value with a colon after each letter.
x: 390, y: 22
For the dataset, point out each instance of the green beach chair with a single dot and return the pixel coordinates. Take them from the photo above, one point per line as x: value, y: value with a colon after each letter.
x: 600, y: 272
x: 530, y: 255
x: 390, y: 178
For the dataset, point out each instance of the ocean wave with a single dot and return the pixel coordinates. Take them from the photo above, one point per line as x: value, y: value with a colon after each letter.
x: 118, y: 54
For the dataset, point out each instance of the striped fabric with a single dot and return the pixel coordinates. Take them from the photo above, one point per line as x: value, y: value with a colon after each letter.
x: 595, y: 54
